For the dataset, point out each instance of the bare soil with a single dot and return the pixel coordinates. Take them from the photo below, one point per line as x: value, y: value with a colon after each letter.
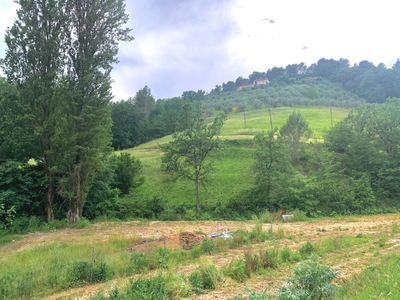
x: 187, y: 234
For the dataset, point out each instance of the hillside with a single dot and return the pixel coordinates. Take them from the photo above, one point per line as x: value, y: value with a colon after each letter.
x: 234, y: 162
x: 309, y: 91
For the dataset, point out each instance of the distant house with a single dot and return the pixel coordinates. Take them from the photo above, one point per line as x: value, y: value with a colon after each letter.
x: 261, y: 81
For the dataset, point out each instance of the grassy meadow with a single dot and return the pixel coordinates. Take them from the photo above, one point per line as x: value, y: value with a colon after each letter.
x: 234, y: 162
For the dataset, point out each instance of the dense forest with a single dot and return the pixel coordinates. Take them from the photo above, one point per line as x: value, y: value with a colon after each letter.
x: 59, y: 130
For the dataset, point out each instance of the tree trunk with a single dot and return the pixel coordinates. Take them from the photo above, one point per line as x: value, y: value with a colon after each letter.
x: 196, y: 183
x: 49, y: 202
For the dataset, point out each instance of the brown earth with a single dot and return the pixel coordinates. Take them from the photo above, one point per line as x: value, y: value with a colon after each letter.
x: 187, y: 234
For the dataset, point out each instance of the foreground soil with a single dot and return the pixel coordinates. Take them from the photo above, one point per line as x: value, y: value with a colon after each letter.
x: 348, y: 263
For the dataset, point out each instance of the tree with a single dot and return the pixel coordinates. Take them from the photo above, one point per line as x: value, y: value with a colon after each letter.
x: 92, y: 35
x: 272, y: 169
x: 34, y: 62
x: 293, y: 131
x: 228, y: 87
x: 186, y: 156
x: 144, y: 101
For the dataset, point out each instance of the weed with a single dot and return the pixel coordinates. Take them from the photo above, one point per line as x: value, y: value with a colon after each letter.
x: 196, y: 280
x: 237, y: 270
x: 208, y: 246
x: 252, y: 263
x: 254, y: 295
x: 211, y: 276
x: 139, y: 263
x: 286, y: 254
x: 269, y: 259
x: 306, y: 250
x: 310, y: 281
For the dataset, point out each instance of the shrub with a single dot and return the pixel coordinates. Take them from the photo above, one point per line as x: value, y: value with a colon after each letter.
x: 148, y: 289
x: 269, y: 259
x: 286, y: 254
x: 251, y: 262
x: 208, y: 246
x: 306, y: 250
x: 237, y: 270
x: 196, y: 280
x: 82, y: 273
x: 211, y: 276
x: 162, y: 258
x: 310, y: 281
x: 139, y: 262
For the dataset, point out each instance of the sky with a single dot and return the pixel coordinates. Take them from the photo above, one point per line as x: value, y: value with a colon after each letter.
x: 185, y: 45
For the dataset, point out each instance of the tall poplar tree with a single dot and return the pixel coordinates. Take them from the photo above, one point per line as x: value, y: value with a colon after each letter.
x: 92, y: 34
x: 60, y: 56
x: 34, y: 63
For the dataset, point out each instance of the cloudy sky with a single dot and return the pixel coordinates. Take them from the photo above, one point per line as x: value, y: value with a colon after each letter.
x: 195, y: 44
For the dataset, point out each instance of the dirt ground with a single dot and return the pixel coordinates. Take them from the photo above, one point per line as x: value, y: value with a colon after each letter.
x: 182, y: 234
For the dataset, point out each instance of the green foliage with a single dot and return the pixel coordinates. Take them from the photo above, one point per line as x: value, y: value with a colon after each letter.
x: 286, y: 254
x: 378, y: 281
x: 269, y: 259
x: 254, y: 295
x: 82, y: 273
x: 306, y: 250
x: 148, y: 288
x: 185, y: 156
x: 237, y: 270
x: 211, y: 276
x: 208, y: 246
x: 196, y: 280
x: 139, y: 262
x: 310, y: 281
x: 293, y: 131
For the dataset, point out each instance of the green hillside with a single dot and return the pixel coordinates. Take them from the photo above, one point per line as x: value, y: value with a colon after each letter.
x: 234, y: 162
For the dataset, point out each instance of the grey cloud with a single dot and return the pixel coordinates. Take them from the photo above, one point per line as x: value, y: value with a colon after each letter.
x: 192, y: 59
x: 304, y: 48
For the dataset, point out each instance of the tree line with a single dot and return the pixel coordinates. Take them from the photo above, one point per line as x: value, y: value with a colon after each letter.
x: 56, y: 101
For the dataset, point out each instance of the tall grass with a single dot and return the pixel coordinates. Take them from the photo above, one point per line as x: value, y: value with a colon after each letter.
x: 378, y: 282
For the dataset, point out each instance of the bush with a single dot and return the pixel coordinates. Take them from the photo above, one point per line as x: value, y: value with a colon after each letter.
x: 306, y: 250
x: 139, y: 263
x: 210, y: 275
x: 208, y: 246
x: 310, y: 281
x: 82, y: 273
x: 237, y: 270
x: 286, y: 254
x: 148, y: 289
x: 269, y: 259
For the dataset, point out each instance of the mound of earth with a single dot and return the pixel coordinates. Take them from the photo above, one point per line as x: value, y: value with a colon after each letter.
x: 184, y: 240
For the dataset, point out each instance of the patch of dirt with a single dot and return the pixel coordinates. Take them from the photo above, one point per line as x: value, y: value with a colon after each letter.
x: 188, y: 234
x: 184, y: 240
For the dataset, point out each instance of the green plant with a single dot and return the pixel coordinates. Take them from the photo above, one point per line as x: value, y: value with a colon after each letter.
x: 139, y: 262
x: 148, y: 289
x: 286, y: 254
x: 254, y: 295
x: 163, y: 255
x: 306, y: 250
x: 310, y: 281
x: 237, y: 270
x: 252, y: 263
x: 269, y: 259
x: 211, y: 276
x: 196, y: 280
x: 208, y: 246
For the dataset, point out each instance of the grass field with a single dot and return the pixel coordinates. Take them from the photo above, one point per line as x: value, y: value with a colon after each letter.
x: 234, y: 162
x: 56, y: 264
